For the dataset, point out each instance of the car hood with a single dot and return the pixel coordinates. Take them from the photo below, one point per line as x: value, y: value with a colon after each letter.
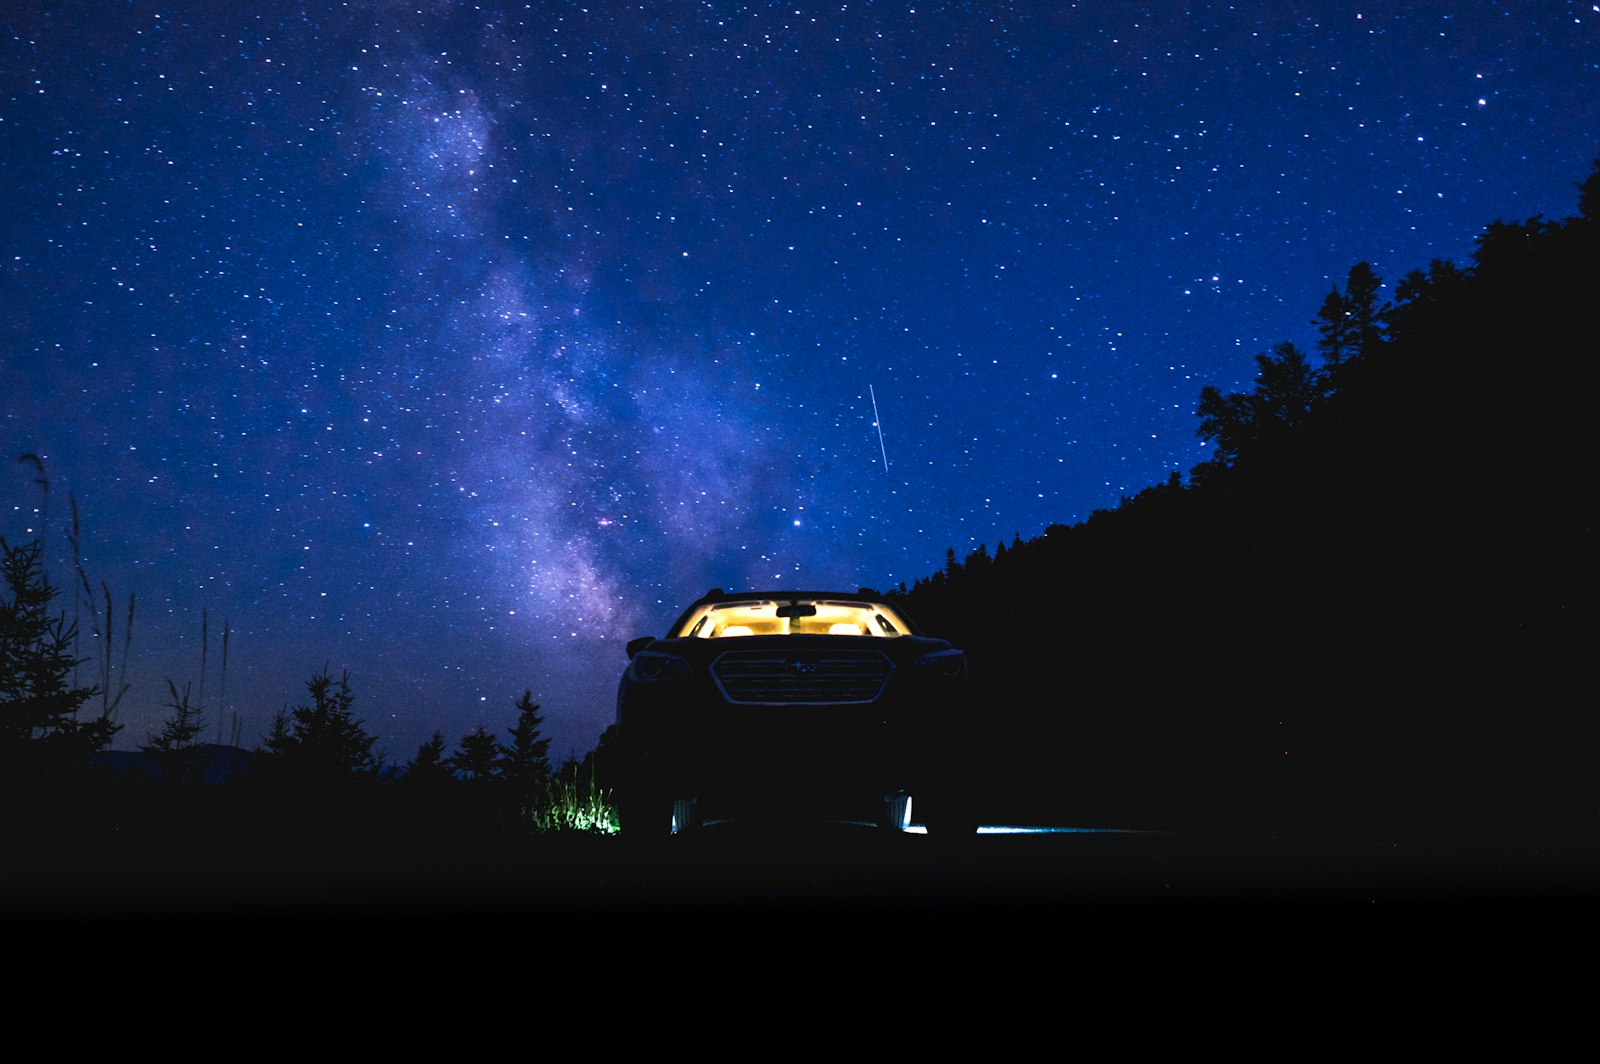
x: 899, y: 649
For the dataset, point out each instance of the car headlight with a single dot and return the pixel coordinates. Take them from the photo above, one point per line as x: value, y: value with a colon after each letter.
x: 950, y: 664
x: 649, y: 665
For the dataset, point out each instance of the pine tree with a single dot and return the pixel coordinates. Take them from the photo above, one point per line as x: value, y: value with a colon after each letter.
x: 1418, y: 293
x: 525, y: 763
x: 39, y: 703
x: 1351, y: 323
x: 322, y: 741
x: 175, y: 744
x: 429, y: 766
x: 477, y: 759
x: 1227, y: 421
x: 1367, y: 312
x: 181, y: 730
x: 1287, y: 390
x: 1589, y: 195
x: 1335, y: 329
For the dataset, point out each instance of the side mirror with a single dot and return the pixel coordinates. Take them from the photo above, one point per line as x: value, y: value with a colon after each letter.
x: 636, y: 645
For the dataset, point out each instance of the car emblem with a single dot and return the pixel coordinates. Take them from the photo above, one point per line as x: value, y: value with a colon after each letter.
x: 797, y: 666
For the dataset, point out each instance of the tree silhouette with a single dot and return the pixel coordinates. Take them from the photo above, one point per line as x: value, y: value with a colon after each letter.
x: 181, y: 730
x: 477, y: 759
x: 1589, y: 195
x: 322, y: 741
x: 1349, y: 619
x: 1287, y: 389
x: 1335, y: 327
x: 39, y: 703
x: 1364, y: 307
x: 1351, y: 323
x: 1419, y: 293
x: 525, y: 762
x: 1243, y: 423
x: 429, y: 766
x: 175, y: 743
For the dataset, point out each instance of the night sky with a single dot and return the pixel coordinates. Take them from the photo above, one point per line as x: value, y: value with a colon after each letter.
x: 455, y: 344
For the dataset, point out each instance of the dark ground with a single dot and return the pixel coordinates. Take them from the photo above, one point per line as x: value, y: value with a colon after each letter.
x: 815, y: 926
x: 842, y: 870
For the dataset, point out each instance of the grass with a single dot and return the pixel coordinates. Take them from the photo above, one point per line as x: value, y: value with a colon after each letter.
x: 573, y: 804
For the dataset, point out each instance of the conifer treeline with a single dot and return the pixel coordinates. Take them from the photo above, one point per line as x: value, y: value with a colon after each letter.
x: 1361, y: 609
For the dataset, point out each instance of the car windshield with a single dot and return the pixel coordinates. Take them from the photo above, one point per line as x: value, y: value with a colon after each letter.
x: 792, y: 616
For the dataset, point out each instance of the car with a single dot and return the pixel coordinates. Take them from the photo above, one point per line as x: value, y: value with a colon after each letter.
x: 824, y: 704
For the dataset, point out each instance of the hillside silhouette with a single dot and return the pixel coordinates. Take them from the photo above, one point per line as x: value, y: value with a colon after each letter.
x: 1361, y: 616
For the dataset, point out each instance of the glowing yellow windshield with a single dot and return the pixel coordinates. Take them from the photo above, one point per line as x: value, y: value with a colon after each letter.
x: 747, y: 617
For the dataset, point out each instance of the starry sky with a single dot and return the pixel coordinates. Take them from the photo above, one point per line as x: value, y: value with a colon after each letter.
x: 456, y: 344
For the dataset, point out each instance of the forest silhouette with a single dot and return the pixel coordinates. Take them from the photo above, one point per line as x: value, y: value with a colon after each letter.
x: 1360, y: 618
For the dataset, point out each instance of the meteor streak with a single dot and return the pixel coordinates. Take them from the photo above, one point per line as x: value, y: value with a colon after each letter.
x: 879, y: 427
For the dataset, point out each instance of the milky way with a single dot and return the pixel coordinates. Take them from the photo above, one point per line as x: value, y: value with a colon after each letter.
x: 455, y: 345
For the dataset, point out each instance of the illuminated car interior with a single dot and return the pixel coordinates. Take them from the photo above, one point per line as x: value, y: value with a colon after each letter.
x: 747, y: 617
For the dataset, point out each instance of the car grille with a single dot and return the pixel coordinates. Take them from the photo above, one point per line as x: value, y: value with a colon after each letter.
x: 815, y: 677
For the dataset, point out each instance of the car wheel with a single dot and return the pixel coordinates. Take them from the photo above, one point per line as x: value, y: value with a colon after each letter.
x: 685, y: 816
x: 952, y: 828
x: 895, y: 812
x: 949, y: 819
x: 648, y: 813
x: 645, y: 811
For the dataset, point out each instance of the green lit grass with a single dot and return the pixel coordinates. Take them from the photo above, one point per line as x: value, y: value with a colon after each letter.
x: 574, y: 804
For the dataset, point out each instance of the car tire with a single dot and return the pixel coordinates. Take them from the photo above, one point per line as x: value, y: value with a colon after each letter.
x: 645, y: 812
x: 949, y: 819
x: 953, y: 829
x: 895, y: 812
x: 685, y: 816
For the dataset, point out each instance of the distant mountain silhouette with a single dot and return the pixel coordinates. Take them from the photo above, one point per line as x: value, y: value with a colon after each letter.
x: 218, y: 764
